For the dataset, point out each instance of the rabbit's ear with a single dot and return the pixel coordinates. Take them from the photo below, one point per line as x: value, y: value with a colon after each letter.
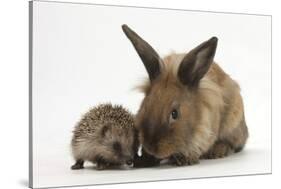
x: 197, y: 62
x: 148, y: 55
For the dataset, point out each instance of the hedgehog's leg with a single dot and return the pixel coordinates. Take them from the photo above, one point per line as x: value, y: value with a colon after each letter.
x: 79, y: 164
x: 219, y: 150
x: 101, y: 163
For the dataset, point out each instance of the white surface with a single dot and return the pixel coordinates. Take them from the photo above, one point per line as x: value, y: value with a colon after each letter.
x: 81, y: 58
x: 14, y: 93
x: 57, y: 172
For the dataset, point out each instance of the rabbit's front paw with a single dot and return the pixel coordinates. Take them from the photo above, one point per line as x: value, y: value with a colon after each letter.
x: 219, y: 150
x: 179, y: 159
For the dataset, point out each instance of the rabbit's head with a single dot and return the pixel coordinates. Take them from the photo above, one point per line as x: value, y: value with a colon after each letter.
x: 169, y: 111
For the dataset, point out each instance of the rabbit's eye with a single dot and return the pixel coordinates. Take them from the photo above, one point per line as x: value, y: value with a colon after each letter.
x: 174, y: 114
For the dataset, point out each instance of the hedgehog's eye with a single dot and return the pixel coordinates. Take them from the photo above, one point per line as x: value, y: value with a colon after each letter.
x: 117, y: 147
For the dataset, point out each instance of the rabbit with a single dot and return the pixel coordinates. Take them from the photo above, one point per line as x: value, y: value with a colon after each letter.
x: 191, y: 108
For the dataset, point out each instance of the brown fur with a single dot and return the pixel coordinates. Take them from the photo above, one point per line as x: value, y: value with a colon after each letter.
x: 213, y: 112
x: 211, y: 121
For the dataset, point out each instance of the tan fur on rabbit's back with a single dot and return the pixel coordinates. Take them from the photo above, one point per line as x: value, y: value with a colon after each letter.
x: 191, y: 108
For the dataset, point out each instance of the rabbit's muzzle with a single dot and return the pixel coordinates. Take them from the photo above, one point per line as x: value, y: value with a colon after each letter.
x: 151, y: 135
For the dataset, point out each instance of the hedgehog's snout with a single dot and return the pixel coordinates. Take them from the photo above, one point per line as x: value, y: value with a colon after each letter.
x: 128, y: 159
x: 129, y: 162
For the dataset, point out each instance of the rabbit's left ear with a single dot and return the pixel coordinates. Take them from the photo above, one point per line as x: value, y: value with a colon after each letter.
x: 148, y: 55
x: 197, y: 62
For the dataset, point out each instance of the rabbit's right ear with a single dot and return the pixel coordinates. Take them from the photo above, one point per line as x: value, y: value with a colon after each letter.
x: 197, y: 62
x: 148, y: 55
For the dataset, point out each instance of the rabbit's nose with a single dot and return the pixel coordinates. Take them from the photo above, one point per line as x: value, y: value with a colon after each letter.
x: 129, y: 162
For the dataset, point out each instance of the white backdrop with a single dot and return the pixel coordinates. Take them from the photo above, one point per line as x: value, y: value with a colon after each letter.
x: 81, y: 58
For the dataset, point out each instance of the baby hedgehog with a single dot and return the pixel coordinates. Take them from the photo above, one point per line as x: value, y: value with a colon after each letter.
x: 106, y: 136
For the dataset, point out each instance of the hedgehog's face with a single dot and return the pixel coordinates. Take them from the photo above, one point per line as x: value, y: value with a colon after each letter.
x: 118, y: 144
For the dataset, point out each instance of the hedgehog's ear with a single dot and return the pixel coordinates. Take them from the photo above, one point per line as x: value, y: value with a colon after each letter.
x: 197, y: 62
x: 148, y: 55
x: 104, y: 130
